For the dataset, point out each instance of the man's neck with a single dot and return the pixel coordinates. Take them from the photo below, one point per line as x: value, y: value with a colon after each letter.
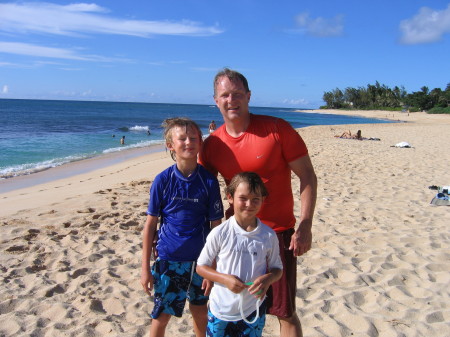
x: 236, y: 128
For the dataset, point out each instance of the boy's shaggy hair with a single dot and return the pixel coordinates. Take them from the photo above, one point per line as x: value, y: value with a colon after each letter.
x: 253, y: 180
x: 170, y: 123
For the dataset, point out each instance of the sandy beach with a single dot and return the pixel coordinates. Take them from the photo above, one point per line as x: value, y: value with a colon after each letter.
x: 379, y: 266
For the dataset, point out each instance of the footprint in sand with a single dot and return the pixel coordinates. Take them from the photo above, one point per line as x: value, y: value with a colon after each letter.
x: 87, y: 210
x: 37, y: 266
x: 32, y: 234
x: 94, y: 225
x: 97, y: 306
x: 46, y: 213
x: 435, y: 317
x: 65, y: 266
x: 94, y: 257
x: 17, y: 249
x: 58, y: 289
x: 8, y: 306
x: 79, y: 272
x: 127, y: 225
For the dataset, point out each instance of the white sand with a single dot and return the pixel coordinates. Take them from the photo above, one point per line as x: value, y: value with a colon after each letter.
x: 379, y: 266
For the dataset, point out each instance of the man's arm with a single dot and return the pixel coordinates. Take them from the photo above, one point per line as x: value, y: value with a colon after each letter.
x: 301, y: 240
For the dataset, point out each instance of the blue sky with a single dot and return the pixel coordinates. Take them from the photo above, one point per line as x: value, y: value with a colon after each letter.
x: 168, y: 51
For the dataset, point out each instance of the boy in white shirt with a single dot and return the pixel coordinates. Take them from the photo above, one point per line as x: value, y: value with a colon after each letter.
x: 247, y: 260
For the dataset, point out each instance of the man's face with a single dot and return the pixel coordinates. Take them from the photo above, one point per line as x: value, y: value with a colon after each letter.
x: 232, y: 99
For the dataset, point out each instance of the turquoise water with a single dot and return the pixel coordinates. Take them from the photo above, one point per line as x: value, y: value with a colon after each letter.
x: 39, y: 134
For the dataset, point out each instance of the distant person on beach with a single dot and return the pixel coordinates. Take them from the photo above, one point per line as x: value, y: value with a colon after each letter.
x: 186, y: 198
x: 270, y: 147
x: 348, y: 135
x: 358, y: 136
x: 242, y: 258
x: 122, y: 140
x: 212, y: 127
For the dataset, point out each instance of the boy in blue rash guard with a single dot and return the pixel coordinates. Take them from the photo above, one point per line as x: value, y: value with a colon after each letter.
x: 186, y: 198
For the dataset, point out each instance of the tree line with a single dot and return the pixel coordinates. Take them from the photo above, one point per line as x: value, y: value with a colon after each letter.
x: 381, y: 97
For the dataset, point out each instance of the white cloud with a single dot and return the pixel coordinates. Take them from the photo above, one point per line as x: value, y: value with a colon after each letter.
x: 27, y: 49
x: 427, y: 26
x: 296, y: 102
x: 5, y: 89
x: 81, y: 18
x: 9, y: 64
x: 87, y: 93
x: 320, y: 26
x: 82, y: 7
x: 34, y: 50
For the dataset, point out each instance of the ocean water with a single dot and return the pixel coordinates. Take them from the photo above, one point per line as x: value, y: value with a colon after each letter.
x: 36, y: 135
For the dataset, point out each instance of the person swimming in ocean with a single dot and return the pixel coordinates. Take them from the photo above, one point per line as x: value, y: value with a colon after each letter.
x: 212, y: 127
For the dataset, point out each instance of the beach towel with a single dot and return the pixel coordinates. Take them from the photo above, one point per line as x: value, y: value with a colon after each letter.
x: 440, y: 200
x: 402, y: 144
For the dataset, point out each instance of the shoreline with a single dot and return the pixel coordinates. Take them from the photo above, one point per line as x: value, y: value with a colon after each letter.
x: 379, y: 265
x: 106, y: 164
x: 396, y: 116
x: 75, y: 168
x: 86, y: 165
x: 50, y: 190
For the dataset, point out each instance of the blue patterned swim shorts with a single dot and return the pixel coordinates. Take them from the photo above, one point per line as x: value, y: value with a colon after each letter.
x: 174, y: 283
x: 219, y: 328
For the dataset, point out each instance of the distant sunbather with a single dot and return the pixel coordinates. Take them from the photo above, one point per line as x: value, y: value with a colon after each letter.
x: 348, y: 135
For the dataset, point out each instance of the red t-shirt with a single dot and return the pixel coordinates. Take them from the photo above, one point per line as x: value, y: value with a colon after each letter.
x: 267, y: 147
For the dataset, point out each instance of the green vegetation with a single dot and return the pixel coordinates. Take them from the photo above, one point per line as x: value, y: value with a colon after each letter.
x: 381, y: 97
x: 439, y: 110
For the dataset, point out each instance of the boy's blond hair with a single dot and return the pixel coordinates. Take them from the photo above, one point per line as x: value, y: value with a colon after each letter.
x: 170, y: 123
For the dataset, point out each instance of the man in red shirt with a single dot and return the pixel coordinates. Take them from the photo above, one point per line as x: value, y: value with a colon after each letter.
x: 270, y: 147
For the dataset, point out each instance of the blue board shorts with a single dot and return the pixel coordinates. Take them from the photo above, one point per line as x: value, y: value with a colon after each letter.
x: 174, y: 283
x: 219, y: 328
